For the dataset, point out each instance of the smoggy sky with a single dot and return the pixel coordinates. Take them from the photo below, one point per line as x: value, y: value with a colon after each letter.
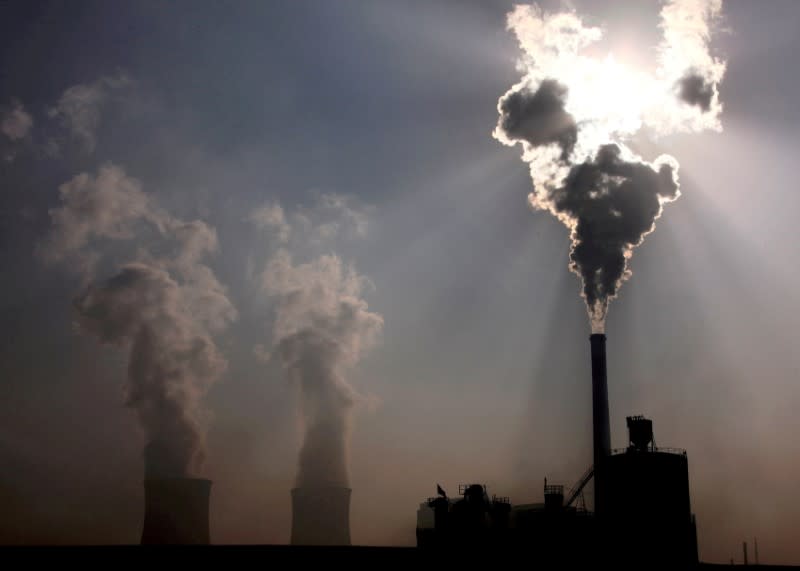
x: 369, y: 124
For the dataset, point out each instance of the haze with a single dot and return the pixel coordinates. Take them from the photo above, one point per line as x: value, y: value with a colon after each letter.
x: 481, y: 372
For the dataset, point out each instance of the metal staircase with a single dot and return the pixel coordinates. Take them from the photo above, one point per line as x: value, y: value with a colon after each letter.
x: 578, y: 487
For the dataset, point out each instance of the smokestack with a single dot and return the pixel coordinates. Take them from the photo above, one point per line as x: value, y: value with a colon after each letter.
x: 321, y: 516
x: 600, y: 425
x: 176, y: 511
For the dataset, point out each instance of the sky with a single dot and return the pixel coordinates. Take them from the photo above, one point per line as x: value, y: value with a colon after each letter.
x: 368, y: 125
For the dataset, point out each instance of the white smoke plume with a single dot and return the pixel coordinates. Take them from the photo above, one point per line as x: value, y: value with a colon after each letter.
x: 322, y: 328
x: 79, y: 108
x: 15, y: 123
x: 271, y: 217
x: 574, y: 115
x: 162, y: 305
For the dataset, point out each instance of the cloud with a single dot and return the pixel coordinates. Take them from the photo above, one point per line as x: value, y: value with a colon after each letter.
x: 547, y: 39
x: 331, y: 216
x: 573, y: 113
x: 686, y: 61
x: 270, y: 217
x: 16, y: 123
x: 325, y: 294
x: 108, y: 205
x: 162, y: 304
x: 538, y: 117
x: 694, y: 90
x: 614, y: 204
x: 261, y: 353
x: 79, y: 108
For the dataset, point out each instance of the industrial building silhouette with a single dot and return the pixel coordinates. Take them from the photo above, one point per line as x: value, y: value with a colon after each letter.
x: 642, y: 509
x: 646, y: 519
x: 641, y: 517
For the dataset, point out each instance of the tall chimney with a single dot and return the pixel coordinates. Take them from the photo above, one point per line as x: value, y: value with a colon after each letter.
x: 321, y: 516
x: 176, y: 511
x: 600, y: 425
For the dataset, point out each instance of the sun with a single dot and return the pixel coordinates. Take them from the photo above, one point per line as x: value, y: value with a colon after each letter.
x: 607, y: 98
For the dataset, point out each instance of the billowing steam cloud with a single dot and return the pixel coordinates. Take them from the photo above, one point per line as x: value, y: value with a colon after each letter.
x: 79, y: 108
x: 163, y: 306
x: 15, y: 123
x: 573, y: 114
x: 322, y: 329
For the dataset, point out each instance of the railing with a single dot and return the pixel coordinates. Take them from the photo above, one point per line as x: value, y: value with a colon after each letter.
x: 679, y: 451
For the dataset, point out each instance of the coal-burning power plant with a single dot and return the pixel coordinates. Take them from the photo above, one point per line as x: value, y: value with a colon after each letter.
x: 641, y: 513
x: 176, y: 511
x: 321, y: 515
x: 642, y: 510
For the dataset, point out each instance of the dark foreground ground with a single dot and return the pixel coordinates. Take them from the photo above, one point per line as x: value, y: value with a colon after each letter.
x: 232, y: 556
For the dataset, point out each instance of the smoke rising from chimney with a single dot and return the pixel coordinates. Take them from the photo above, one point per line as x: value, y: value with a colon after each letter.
x: 322, y: 329
x: 162, y: 305
x: 573, y: 114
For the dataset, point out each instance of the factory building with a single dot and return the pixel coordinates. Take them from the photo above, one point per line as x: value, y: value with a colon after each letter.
x: 642, y: 510
x: 474, y: 520
x: 649, y: 509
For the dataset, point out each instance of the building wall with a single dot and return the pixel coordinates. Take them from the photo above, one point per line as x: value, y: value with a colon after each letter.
x: 649, y: 510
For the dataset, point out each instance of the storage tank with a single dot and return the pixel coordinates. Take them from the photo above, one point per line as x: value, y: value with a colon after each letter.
x: 649, y: 514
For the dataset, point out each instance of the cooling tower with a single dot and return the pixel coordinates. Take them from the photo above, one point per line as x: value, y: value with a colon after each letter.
x: 321, y: 516
x: 600, y: 425
x: 176, y: 511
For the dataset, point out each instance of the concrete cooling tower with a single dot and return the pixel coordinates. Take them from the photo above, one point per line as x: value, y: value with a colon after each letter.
x: 176, y: 511
x: 321, y: 516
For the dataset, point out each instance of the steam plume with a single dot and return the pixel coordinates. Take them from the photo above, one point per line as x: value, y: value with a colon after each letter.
x: 79, y: 108
x: 162, y: 306
x: 15, y: 123
x: 322, y: 329
x: 573, y: 115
